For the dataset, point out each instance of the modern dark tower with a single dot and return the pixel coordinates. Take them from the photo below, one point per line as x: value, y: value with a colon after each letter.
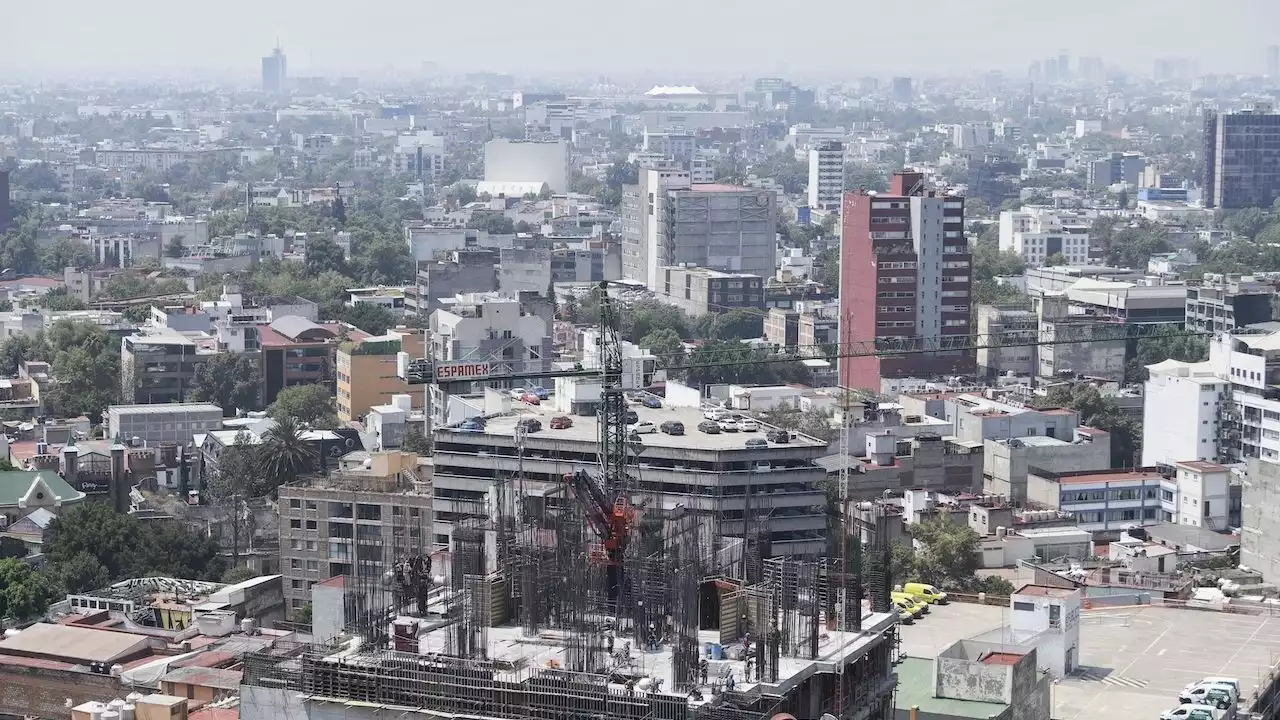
x: 6, y: 208
x: 274, y: 72
x: 1242, y: 158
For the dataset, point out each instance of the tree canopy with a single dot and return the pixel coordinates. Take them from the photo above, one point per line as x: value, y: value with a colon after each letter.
x: 309, y: 405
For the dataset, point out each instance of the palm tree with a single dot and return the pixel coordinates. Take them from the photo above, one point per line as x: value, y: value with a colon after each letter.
x: 285, y: 453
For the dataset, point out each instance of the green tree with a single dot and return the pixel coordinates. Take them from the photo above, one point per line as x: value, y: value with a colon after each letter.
x: 666, y: 344
x: 60, y: 299
x: 416, y: 442
x: 373, y: 319
x: 82, y: 573
x: 227, y: 380
x: 19, y: 349
x: 175, y: 248
x: 239, y: 476
x: 127, y: 547
x: 1247, y: 222
x: 733, y: 325
x: 24, y: 592
x: 301, y: 616
x: 238, y: 574
x: 323, y: 254
x: 1101, y: 412
x: 865, y: 177
x: 1055, y: 260
x: 309, y: 405
x: 384, y: 261
x: 64, y: 253
x: 284, y: 454
x: 86, y: 362
x: 11, y: 547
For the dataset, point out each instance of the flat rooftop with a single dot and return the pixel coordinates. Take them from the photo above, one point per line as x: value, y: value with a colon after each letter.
x: 916, y: 688
x: 586, y: 428
x: 548, y: 649
x: 1134, y: 660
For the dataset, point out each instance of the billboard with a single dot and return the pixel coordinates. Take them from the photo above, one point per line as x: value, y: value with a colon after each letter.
x: 465, y: 371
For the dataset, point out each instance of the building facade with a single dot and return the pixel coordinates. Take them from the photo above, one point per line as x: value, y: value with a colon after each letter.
x: 1225, y: 302
x: 352, y: 523
x: 1037, y: 234
x: 826, y: 175
x: 904, y: 272
x: 669, y: 220
x: 699, y: 291
x: 1242, y: 158
x: 367, y: 374
x: 1005, y: 327
x: 147, y: 425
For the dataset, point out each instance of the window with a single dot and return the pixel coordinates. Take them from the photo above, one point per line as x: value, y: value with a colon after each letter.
x: 311, y: 524
x: 295, y: 504
x: 1024, y: 606
x: 366, y: 511
x: 295, y: 524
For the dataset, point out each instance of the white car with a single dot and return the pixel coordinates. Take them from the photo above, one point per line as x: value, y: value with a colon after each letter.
x: 1193, y: 712
x: 716, y: 414
x: 748, y: 425
x: 644, y: 427
x: 728, y: 424
x: 1233, y: 682
x: 1204, y: 694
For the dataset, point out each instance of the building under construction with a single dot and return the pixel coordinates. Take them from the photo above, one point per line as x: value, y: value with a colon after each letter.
x: 533, y: 619
x: 586, y: 599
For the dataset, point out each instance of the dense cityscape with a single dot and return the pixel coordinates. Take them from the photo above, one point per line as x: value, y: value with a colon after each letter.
x: 442, y: 393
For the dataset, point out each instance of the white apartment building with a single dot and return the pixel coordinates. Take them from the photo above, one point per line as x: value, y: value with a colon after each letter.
x: 1181, y: 407
x: 1228, y: 405
x: 1036, y: 234
x: 826, y: 175
x: 702, y: 166
x: 488, y: 327
x: 420, y: 154
x: 1202, y: 495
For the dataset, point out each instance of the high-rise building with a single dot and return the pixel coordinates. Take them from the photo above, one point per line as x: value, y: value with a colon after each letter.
x: 1273, y: 60
x: 903, y: 92
x: 1242, y: 158
x: 667, y: 220
x: 6, y: 209
x: 274, y: 72
x: 905, y: 271
x: 826, y: 175
x: 1064, y: 65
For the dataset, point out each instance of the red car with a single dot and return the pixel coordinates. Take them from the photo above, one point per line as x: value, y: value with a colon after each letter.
x: 561, y: 423
x: 530, y: 398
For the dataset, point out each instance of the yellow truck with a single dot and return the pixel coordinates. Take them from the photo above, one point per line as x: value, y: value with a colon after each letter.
x: 925, y: 593
x: 916, y: 607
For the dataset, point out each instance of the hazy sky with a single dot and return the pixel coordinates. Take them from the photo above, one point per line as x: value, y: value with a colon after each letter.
x: 679, y: 37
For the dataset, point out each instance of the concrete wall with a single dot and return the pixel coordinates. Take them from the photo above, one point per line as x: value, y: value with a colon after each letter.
x: 259, y: 703
x: 1031, y: 690
x: 32, y: 692
x: 963, y: 679
x: 1260, y: 514
x: 1005, y: 467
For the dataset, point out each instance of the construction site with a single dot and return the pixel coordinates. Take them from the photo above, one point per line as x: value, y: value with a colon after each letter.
x: 586, y: 601
x: 591, y: 600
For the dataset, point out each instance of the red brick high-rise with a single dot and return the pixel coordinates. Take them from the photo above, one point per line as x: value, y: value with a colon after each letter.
x: 905, y: 271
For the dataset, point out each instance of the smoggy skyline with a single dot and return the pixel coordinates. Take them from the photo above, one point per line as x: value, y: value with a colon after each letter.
x: 687, y: 39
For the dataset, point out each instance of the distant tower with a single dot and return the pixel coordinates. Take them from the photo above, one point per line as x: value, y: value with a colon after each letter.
x: 1273, y: 61
x: 274, y: 72
x: 6, y: 210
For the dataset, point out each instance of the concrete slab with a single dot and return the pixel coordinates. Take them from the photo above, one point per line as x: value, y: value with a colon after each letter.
x: 1135, y: 660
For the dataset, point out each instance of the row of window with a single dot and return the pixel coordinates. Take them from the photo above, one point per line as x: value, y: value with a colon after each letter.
x: 1126, y: 515
x: 1079, y: 496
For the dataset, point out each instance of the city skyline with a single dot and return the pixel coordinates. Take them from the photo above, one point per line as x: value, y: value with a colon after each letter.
x: 574, y: 36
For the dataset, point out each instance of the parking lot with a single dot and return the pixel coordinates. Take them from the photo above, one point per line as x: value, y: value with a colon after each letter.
x: 1134, y: 660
